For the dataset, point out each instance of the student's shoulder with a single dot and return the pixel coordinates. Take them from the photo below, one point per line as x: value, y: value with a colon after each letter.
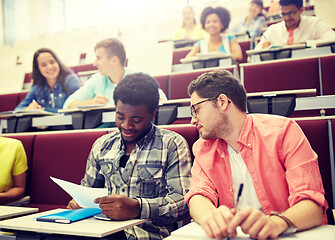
x: 10, y: 142
x: 167, y: 134
x: 108, y: 138
x: 271, y: 121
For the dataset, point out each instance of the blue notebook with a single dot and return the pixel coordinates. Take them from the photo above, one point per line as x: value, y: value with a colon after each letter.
x: 69, y: 216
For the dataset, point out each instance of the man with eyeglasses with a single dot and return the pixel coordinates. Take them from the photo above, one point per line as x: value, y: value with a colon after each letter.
x: 294, y: 28
x: 268, y: 154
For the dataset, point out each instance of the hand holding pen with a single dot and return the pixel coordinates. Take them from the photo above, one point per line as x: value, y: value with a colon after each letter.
x: 33, y: 106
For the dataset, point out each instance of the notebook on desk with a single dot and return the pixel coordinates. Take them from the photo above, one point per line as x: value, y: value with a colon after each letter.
x: 21, y: 113
x: 69, y: 216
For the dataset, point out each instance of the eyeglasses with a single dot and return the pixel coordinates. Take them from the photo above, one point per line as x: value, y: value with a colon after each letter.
x: 194, y: 111
x: 290, y: 13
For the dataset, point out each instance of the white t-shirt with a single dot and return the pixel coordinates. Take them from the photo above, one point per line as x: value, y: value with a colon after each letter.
x: 240, y: 174
x: 310, y: 28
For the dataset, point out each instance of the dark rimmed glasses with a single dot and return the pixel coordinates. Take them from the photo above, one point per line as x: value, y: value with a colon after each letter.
x: 195, y: 111
x: 290, y: 13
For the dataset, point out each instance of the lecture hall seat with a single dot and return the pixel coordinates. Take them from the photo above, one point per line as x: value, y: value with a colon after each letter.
x: 163, y: 81
x: 28, y: 144
x: 245, y: 45
x: 316, y: 132
x: 8, y: 101
x: 50, y: 152
x: 288, y: 74
x: 180, y: 81
x: 327, y: 74
x: 179, y: 54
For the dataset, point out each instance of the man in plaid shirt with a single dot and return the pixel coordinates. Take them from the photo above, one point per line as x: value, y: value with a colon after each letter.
x: 146, y: 169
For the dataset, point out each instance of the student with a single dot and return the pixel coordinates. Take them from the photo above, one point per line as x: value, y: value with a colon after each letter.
x: 216, y: 21
x: 190, y: 29
x: 269, y: 154
x: 53, y: 82
x: 146, y: 169
x: 110, y: 61
x: 13, y: 170
x: 253, y: 23
x: 294, y: 28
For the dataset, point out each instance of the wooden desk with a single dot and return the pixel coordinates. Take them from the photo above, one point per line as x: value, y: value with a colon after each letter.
x: 89, y: 227
x: 193, y: 231
x: 10, y: 211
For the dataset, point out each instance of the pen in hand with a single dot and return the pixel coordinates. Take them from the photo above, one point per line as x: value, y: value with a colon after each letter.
x: 239, y: 195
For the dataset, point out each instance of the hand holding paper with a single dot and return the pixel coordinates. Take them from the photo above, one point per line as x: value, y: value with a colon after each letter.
x: 84, y: 196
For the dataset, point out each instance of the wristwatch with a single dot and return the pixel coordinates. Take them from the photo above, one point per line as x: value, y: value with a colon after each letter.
x: 291, y: 227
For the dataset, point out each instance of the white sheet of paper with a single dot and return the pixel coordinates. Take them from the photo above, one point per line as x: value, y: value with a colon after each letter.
x: 84, y: 196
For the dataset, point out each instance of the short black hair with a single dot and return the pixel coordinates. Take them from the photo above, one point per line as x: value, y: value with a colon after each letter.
x: 212, y: 84
x: 114, y: 48
x: 137, y: 89
x: 297, y: 3
x: 222, y: 13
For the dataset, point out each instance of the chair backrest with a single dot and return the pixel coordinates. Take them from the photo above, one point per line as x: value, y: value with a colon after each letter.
x: 245, y: 45
x: 8, y: 101
x: 28, y: 144
x: 179, y: 54
x: 163, y: 83
x: 63, y: 156
x: 22, y: 95
x: 292, y: 74
x: 180, y: 81
x: 316, y: 132
x: 327, y: 73
x: 189, y: 132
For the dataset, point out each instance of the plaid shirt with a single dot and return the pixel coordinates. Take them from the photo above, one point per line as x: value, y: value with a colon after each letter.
x: 157, y: 174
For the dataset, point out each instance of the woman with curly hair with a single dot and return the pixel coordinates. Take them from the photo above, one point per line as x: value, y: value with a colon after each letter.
x: 216, y: 21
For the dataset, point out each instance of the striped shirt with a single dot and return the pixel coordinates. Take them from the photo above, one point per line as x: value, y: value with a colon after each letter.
x: 157, y: 174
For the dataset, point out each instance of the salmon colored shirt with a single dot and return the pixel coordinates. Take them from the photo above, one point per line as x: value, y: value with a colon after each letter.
x: 283, y: 166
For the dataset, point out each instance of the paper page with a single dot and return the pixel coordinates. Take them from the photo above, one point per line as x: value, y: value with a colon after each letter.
x: 84, y: 196
x: 194, y: 230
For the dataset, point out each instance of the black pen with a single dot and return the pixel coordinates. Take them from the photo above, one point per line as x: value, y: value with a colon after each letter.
x: 239, y: 195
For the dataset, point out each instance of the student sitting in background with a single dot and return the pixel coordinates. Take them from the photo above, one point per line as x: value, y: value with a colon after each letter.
x: 274, y: 8
x: 146, y: 169
x: 99, y: 89
x: 253, y: 23
x: 216, y: 21
x: 294, y: 28
x: 53, y: 82
x: 13, y: 170
x: 190, y: 29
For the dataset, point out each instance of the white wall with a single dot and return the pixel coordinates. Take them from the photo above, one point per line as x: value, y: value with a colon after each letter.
x: 1, y: 25
x: 325, y: 9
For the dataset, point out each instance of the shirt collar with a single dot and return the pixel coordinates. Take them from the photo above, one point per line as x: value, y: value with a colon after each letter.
x: 147, y: 138
x: 246, y: 136
x: 47, y: 88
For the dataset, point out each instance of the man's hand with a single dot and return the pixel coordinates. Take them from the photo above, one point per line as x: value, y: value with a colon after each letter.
x: 256, y: 224
x: 99, y: 99
x: 73, y: 205
x: 266, y: 44
x: 119, y: 207
x: 216, y: 222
